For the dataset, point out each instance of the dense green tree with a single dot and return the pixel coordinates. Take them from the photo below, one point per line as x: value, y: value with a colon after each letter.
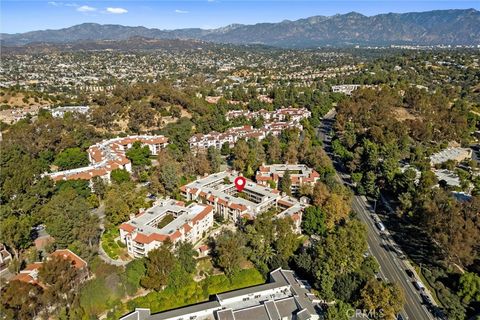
x: 62, y: 280
x: 138, y: 154
x: 15, y: 233
x: 67, y: 218
x: 469, y: 287
x: 340, y: 311
x: 169, y: 177
x: 274, y: 151
x: 286, y: 183
x: 119, y: 176
x: 313, y: 222
x: 82, y: 187
x: 141, y: 116
x: 21, y: 300
x: 338, y: 253
x: 369, y: 183
x: 186, y: 255
x: 71, y: 158
x: 121, y: 200
x: 225, y: 149
x: 229, y: 251
x: 99, y: 187
x: 160, y: 263
x: 285, y: 240
x: 382, y: 297
x: 240, y: 155
x: 214, y: 158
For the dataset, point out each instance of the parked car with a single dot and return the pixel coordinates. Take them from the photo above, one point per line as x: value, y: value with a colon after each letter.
x: 409, y: 273
x: 380, y: 226
x: 426, y: 299
x: 417, y: 284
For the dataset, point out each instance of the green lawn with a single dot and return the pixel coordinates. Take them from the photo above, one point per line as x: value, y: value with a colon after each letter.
x: 194, y: 292
x: 165, y: 220
x: 111, y: 247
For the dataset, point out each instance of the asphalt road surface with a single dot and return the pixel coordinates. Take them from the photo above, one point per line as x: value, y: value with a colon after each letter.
x: 392, y: 268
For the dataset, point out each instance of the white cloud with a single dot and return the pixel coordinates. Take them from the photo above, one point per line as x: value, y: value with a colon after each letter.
x: 86, y: 9
x: 180, y: 11
x: 62, y: 4
x: 117, y: 10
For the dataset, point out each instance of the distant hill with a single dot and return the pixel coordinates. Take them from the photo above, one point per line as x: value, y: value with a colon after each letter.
x: 450, y: 27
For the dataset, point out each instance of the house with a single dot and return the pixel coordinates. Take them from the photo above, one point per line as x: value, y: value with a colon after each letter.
x: 167, y: 219
x: 284, y: 296
x: 30, y: 273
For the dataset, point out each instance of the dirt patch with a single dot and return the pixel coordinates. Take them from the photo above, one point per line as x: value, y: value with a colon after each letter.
x: 402, y: 114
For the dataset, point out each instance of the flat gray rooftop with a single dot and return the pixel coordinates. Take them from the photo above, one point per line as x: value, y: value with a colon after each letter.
x: 146, y: 222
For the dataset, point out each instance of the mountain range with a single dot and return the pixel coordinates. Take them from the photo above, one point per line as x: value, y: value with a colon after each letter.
x: 439, y: 27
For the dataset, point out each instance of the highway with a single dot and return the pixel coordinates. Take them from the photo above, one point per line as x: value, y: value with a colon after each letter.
x: 392, y: 267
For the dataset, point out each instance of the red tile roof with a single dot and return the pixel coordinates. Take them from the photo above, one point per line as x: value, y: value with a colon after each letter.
x: 200, y: 216
x: 177, y: 234
x: 78, y: 262
x: 285, y: 203
x: 33, y: 266
x: 127, y: 227
x: 187, y: 227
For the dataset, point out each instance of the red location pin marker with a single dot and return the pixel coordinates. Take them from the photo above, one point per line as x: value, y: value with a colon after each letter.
x: 240, y: 183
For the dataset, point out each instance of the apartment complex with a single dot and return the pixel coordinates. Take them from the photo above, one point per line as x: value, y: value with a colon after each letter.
x: 167, y: 219
x: 61, y: 111
x: 30, y: 273
x: 109, y: 155
x: 284, y: 296
x: 345, y: 88
x: 276, y: 122
x: 299, y: 174
x: 284, y: 114
x: 218, y: 190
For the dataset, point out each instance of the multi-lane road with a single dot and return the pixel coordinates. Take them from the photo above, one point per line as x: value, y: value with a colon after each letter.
x: 392, y: 267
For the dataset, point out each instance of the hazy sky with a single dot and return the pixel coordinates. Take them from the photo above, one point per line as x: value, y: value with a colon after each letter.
x: 22, y: 16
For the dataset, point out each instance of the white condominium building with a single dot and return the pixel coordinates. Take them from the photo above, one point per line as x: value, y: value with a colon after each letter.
x: 109, y: 155
x: 299, y: 174
x: 345, y: 88
x: 283, y: 114
x: 167, y: 219
x: 219, y: 191
x: 276, y: 122
x: 60, y: 111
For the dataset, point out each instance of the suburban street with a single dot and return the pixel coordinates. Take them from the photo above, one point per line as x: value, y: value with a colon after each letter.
x: 392, y: 267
